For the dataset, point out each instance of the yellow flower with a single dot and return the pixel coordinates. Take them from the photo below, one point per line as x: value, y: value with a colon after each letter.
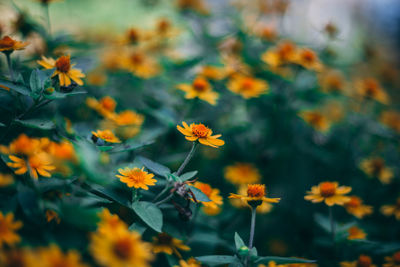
x: 199, y: 132
x: 141, y: 65
x: 52, y: 215
x: 106, y: 135
x: 6, y: 179
x: 18, y: 257
x: 189, y: 263
x: 356, y: 233
x: 110, y: 223
x: 37, y: 164
x: 195, y: 5
x: 136, y: 177
x: 127, y: 117
x: 391, y: 119
x: 8, y: 228
x: 393, y: 261
x: 212, y: 72
x: 22, y: 145
x: 316, y: 119
x: 165, y: 243
x: 370, y: 88
x: 238, y: 203
x: 308, y: 59
x: 256, y: 195
x: 242, y: 173
x: 284, y: 53
x: 105, y: 106
x: 363, y: 261
x: 375, y: 167
x: 64, y: 70
x: 8, y: 45
x: 332, y: 81
x: 201, y: 89
x: 355, y: 207
x: 330, y: 193
x: 389, y: 210
x: 54, y: 257
x: 211, y: 207
x: 247, y: 86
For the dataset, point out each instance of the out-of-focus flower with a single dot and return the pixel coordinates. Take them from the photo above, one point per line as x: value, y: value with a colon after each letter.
x: 212, y: 72
x: 376, y: 167
x: 8, y: 228
x: 331, y: 30
x: 194, y: 5
x: 106, y: 135
x: 137, y: 178
x: 332, y: 81
x: 22, y: 145
x: 109, y: 223
x: 389, y: 210
x: 164, y: 243
x: 256, y: 195
x: 18, y: 258
x: 356, y: 233
x: 141, y: 65
x: 329, y: 192
x: 52, y: 256
x: 189, y: 263
x: 356, y: 207
x: 199, y: 132
x: 284, y: 53
x: 6, y: 180
x: 363, y: 261
x: 391, y: 119
x: 242, y: 173
x: 370, y: 88
x: 52, y: 215
x: 211, y: 207
x: 393, y: 261
x: 201, y: 89
x: 9, y: 45
x: 247, y: 86
x: 266, y: 32
x: 39, y: 163
x: 265, y: 207
x: 316, y: 119
x: 64, y: 70
x: 333, y: 110
x: 105, y: 106
x: 308, y: 59
x: 96, y: 78
x: 127, y: 117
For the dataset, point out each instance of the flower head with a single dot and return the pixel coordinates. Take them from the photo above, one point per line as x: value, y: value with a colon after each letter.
x: 376, y: 167
x: 362, y: 261
x: 52, y: 256
x: 199, y: 132
x: 141, y: 64
x: 6, y: 179
x: 389, y: 210
x: 8, y: 45
x: 265, y: 207
x: 247, y: 86
x: 242, y: 173
x: 308, y: 59
x: 164, y: 243
x: 8, y: 228
x: 201, y: 89
x: 104, y: 106
x: 370, y: 88
x: 316, y: 119
x: 136, y: 177
x: 356, y: 233
x: 329, y: 192
x: 106, y: 135
x: 284, y: 53
x: 256, y: 195
x: 39, y: 163
x: 331, y: 81
x: 356, y: 207
x: 211, y: 207
x: 393, y: 261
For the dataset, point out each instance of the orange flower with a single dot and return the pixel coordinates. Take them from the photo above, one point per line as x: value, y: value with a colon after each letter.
x: 247, y: 86
x: 23, y: 145
x: 265, y: 207
x: 211, y: 207
x: 370, y: 88
x: 136, y: 177
x: 8, y: 45
x: 389, y: 210
x: 242, y: 173
x: 375, y: 167
x: 212, y: 72
x: 165, y: 243
x: 391, y: 119
x: 330, y: 193
x: 256, y: 195
x: 201, y: 89
x: 393, y: 261
x: 201, y: 133
x: 284, y: 53
x: 127, y: 117
x: 355, y: 206
x: 38, y: 164
x: 308, y: 59
x: 316, y: 119
x: 8, y: 228
x: 356, y: 233
x: 363, y: 261
x: 64, y: 70
x: 105, y: 106
x: 106, y: 135
x: 141, y: 65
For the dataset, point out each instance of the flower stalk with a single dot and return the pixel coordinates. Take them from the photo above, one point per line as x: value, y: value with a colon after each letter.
x: 187, y: 159
x: 10, y: 69
x: 332, y: 224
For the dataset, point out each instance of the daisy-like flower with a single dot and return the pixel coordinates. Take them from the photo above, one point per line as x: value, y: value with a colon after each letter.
x: 104, y: 106
x: 363, y: 261
x: 391, y: 119
x: 247, y: 86
x: 9, y: 45
x: 8, y: 228
x: 137, y: 178
x: 308, y: 59
x: 356, y: 233
x: 140, y: 64
x: 212, y: 207
x: 356, y: 207
x: 256, y: 195
x: 105, y: 135
x: 370, y: 88
x: 189, y: 263
x: 242, y: 173
x: 392, y: 210
x: 36, y: 164
x: 265, y: 207
x: 329, y: 192
x: 109, y: 221
x: 201, y: 89
x: 376, y: 167
x: 199, y: 132
x: 164, y: 243
x: 6, y: 180
x: 284, y: 53
x: 316, y: 119
x: 64, y: 70
x: 331, y: 81
x: 212, y: 72
x: 393, y: 261
x: 53, y: 256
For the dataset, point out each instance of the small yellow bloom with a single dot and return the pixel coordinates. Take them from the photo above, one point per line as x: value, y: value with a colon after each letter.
x: 64, y: 70
x: 201, y: 89
x: 199, y: 132
x: 389, y: 210
x: 189, y: 263
x: 212, y: 72
x: 242, y: 173
x: 284, y: 53
x: 356, y: 233
x: 265, y: 207
x: 107, y: 136
x: 247, y: 86
x: 110, y: 223
x: 363, y: 261
x: 356, y: 207
x: 256, y: 195
x: 127, y: 117
x: 8, y: 228
x: 52, y: 256
x: 136, y: 177
x: 308, y: 59
x: 8, y: 45
x: 211, y: 207
x: 104, y: 107
x: 329, y: 192
x: 393, y: 261
x: 332, y: 81
x: 370, y: 88
x: 6, y: 180
x: 164, y: 243
x: 375, y: 167
x: 37, y: 164
x: 141, y: 65
x: 391, y: 119
x: 316, y: 119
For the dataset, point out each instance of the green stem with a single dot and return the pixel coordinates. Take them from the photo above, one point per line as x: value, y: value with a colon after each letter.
x: 10, y: 69
x: 252, y: 227
x: 332, y: 224
x: 134, y: 195
x: 164, y: 200
x: 47, y: 15
x: 162, y: 192
x: 187, y: 159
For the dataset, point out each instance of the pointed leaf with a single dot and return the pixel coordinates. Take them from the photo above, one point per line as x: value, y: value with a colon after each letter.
x: 149, y: 213
x: 155, y: 167
x: 239, y: 241
x: 200, y: 196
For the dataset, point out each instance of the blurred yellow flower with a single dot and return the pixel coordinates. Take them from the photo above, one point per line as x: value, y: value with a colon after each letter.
x: 356, y: 207
x: 201, y: 89
x: 389, y: 210
x: 36, y: 164
x: 331, y: 81
x: 284, y: 53
x: 356, y: 233
x: 189, y: 263
x: 247, y: 86
x: 256, y: 195
x: 64, y: 70
x: 127, y: 117
x: 8, y: 45
x: 242, y: 173
x: 363, y: 261
x: 316, y: 119
x: 104, y: 107
x: 393, y: 261
x: 52, y: 256
x: 8, y: 228
x: 6, y: 180
x: 329, y: 192
x: 137, y: 178
x: 376, y: 167
x: 164, y: 243
x: 391, y: 119
x: 370, y: 88
x: 141, y: 65
x: 211, y: 207
x: 308, y: 59
x: 106, y: 135
x: 199, y: 132
x: 265, y: 207
x: 212, y: 72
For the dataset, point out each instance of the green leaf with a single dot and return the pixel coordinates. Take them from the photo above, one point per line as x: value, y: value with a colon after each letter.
x: 155, y: 167
x: 2, y: 125
x: 186, y: 176
x: 37, y: 124
x: 282, y: 260
x: 217, y: 259
x: 22, y: 89
x: 105, y: 148
x: 200, y: 196
x: 138, y: 227
x: 36, y: 83
x: 130, y: 147
x: 324, y: 222
x: 149, y: 213
x: 60, y: 95
x: 239, y: 241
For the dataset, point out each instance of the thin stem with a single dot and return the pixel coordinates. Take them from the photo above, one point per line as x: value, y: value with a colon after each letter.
x: 162, y: 192
x: 10, y: 69
x: 187, y: 159
x: 252, y: 227
x: 332, y: 223
x: 134, y: 195
x: 47, y: 15
x: 164, y: 200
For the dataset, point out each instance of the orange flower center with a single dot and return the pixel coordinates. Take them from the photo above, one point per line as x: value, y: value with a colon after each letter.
x: 285, y: 50
x: 122, y: 248
x: 163, y: 26
x: 396, y: 257
x: 247, y: 83
x: 133, y: 35
x: 371, y: 87
x: 7, y: 42
x: 34, y: 162
x: 200, y: 130
x: 164, y: 239
x: 354, y: 202
x: 308, y: 56
x: 327, y: 189
x: 200, y: 85
x: 137, y: 176
x: 256, y: 190
x: 137, y: 58
x: 364, y: 261
x: 108, y: 103
x: 63, y: 64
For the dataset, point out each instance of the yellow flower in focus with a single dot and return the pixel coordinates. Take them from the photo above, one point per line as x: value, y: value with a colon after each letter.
x: 9, y: 45
x: 52, y: 215
x: 242, y: 173
x: 363, y: 261
x: 211, y: 207
x: 329, y: 192
x: 370, y: 88
x: 189, y: 263
x: 37, y: 164
x: 256, y: 195
x: 52, y: 256
x: 316, y: 119
x: 8, y: 228
x: 238, y: 203
x: 136, y: 177
x: 247, y: 86
x: 308, y: 59
x: 141, y: 65
x: 393, y: 261
x: 391, y: 119
x: 6, y: 180
x: 356, y: 207
x: 375, y: 167
x: 104, y: 107
x: 165, y: 243
x: 389, y: 210
x: 356, y: 233
x: 199, y: 132
x: 201, y: 89
x: 64, y: 70
x: 106, y: 135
